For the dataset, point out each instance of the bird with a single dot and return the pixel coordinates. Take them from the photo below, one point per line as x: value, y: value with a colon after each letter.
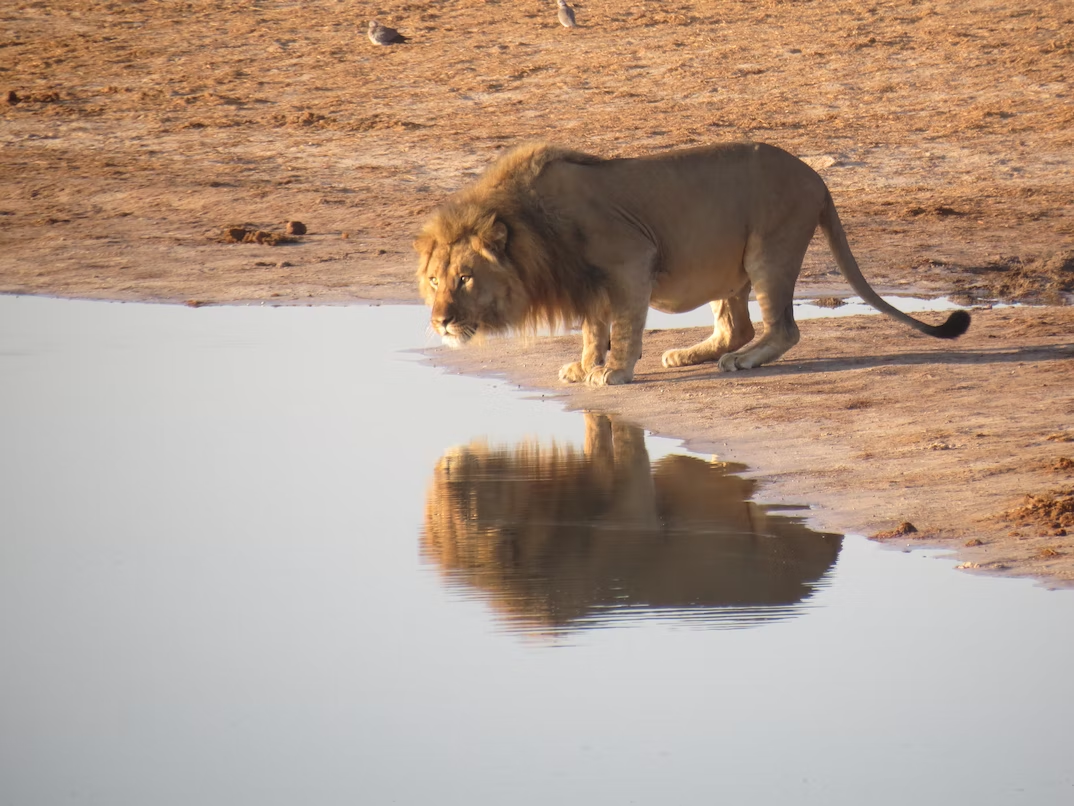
x: 383, y: 35
x: 566, y: 15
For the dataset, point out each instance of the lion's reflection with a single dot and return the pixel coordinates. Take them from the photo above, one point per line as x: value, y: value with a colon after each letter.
x: 555, y: 537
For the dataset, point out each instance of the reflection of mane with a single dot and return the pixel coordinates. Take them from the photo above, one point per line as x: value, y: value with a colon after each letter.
x: 554, y: 536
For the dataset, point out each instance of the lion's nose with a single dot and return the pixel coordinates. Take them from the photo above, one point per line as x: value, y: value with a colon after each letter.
x: 442, y: 321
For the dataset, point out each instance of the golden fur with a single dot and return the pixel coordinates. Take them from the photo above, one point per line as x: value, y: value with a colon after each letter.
x: 549, y: 236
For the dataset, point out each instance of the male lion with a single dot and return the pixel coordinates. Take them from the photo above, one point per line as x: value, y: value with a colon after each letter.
x: 554, y: 237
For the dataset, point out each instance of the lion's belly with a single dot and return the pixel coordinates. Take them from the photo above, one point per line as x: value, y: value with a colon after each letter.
x: 684, y: 288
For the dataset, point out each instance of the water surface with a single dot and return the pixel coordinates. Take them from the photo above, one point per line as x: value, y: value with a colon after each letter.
x: 255, y: 555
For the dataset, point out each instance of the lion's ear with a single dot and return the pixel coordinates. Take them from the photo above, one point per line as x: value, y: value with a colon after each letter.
x: 490, y: 239
x: 498, y: 234
x: 423, y: 244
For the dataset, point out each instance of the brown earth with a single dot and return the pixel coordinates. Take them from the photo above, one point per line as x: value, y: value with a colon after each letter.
x: 140, y: 137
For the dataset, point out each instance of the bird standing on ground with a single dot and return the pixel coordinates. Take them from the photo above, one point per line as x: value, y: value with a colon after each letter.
x: 383, y: 35
x: 566, y: 15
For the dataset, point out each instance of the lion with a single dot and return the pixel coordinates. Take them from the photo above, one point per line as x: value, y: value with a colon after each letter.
x: 559, y: 536
x: 553, y: 237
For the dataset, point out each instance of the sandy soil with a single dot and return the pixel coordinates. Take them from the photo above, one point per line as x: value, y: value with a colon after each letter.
x: 135, y: 135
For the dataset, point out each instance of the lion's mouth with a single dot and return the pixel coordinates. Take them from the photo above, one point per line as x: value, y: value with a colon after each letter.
x: 456, y: 335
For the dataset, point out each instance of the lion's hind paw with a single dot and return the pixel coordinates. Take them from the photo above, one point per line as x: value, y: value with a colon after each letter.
x: 729, y: 363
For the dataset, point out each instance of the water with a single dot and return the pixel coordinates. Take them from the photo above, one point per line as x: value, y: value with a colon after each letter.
x: 805, y: 309
x: 255, y: 555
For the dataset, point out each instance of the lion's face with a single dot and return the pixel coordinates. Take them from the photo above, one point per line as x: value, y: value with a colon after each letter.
x: 467, y: 284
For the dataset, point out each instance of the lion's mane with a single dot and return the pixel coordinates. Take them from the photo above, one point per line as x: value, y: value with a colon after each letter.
x: 544, y: 251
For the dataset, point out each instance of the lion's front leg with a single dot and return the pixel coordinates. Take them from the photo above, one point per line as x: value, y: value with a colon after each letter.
x: 627, y: 329
x: 594, y: 351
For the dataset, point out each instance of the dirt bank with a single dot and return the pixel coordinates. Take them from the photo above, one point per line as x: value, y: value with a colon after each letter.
x: 139, y: 137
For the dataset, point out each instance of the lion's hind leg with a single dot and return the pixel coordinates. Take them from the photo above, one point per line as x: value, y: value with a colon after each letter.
x: 772, y: 264
x: 733, y: 330
x: 780, y: 335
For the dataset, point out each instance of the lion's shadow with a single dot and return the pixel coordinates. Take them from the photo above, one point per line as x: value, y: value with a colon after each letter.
x: 809, y: 366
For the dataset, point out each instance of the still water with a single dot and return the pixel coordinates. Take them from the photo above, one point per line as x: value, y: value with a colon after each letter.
x: 268, y: 556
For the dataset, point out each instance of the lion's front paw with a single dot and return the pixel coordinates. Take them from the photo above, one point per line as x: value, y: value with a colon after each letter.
x: 572, y: 373
x: 729, y: 363
x: 604, y: 376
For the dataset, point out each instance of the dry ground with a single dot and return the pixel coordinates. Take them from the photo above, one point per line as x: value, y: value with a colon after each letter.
x: 135, y: 132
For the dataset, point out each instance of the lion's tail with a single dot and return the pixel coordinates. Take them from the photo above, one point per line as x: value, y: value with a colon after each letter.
x: 957, y: 323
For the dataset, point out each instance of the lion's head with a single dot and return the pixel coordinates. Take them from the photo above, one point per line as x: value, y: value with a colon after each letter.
x: 494, y: 258
x: 465, y: 278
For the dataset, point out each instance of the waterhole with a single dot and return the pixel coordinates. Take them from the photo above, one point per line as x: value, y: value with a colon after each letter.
x: 257, y: 555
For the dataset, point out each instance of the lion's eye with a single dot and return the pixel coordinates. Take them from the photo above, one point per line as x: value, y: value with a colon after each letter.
x: 465, y: 279
x: 434, y: 282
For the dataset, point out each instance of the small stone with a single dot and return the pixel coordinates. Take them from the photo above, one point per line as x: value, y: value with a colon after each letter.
x: 829, y: 302
x: 903, y: 529
x: 296, y: 228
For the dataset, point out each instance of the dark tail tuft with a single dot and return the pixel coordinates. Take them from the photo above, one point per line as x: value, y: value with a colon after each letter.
x: 956, y: 324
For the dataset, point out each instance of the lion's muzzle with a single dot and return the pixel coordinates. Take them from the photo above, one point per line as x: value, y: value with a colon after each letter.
x: 450, y: 328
